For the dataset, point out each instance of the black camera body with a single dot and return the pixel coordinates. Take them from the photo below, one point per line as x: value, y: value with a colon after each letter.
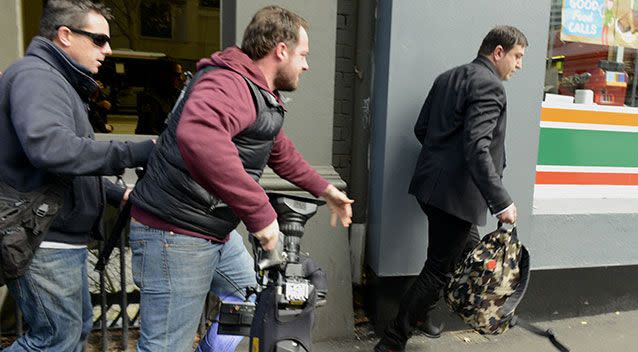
x: 235, y: 318
x: 289, y: 286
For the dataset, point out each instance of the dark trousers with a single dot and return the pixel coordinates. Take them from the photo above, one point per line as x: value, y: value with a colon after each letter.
x: 449, y: 239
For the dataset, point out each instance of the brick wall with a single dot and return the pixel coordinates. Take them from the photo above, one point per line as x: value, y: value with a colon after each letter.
x: 344, y: 91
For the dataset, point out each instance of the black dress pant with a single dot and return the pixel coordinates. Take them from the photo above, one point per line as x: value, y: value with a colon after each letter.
x: 449, y: 239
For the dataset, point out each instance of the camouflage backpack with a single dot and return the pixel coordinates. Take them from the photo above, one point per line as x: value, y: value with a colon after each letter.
x: 488, y: 285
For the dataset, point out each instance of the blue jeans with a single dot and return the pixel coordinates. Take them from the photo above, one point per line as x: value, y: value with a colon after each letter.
x: 174, y: 273
x: 54, y: 298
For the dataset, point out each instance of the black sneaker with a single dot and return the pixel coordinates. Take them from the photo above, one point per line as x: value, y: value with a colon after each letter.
x: 381, y: 347
x: 429, y: 329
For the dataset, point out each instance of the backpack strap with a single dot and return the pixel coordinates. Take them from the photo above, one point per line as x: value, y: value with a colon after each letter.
x: 511, y: 228
x: 186, y: 90
x: 540, y: 332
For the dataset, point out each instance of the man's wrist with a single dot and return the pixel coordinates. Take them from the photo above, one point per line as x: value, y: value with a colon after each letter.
x: 328, y: 191
x: 504, y: 210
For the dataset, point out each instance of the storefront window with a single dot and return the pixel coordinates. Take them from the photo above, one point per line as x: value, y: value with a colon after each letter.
x: 592, y: 47
x: 589, y: 116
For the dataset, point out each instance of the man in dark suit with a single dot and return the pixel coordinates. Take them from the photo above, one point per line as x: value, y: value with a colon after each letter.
x: 459, y: 172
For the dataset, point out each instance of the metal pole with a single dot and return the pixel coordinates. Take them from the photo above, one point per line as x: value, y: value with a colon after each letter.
x: 123, y: 299
x: 359, y: 171
x: 103, y: 309
x: 123, y: 302
x: 361, y: 113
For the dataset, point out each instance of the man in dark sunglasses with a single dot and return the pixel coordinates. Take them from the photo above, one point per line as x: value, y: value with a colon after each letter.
x: 87, y: 43
x: 45, y: 134
x: 99, y: 40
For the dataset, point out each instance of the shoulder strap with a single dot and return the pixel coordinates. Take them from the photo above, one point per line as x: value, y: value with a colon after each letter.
x: 186, y: 90
x: 540, y: 332
x: 183, y: 95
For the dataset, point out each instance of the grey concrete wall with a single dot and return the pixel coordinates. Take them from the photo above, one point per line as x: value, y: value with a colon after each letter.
x: 583, y: 240
x: 586, y: 232
x: 11, y: 47
x: 416, y: 41
x: 310, y: 108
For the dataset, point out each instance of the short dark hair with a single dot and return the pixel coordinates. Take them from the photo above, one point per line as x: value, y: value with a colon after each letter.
x: 68, y: 13
x: 505, y: 36
x: 269, y: 26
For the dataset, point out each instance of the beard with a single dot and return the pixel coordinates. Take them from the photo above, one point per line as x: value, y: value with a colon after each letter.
x: 285, y: 80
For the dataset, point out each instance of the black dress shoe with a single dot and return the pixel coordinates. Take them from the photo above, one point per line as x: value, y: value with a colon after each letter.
x: 429, y: 329
x: 381, y: 347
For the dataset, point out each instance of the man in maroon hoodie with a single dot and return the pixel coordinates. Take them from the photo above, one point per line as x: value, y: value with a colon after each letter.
x: 202, y: 180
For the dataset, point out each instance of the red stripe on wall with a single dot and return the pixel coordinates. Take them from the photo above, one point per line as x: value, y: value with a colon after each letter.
x: 585, y: 178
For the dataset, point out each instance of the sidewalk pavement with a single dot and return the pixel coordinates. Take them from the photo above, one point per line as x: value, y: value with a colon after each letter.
x: 615, y: 332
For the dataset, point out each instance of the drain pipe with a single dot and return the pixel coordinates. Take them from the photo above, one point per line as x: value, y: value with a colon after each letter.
x: 361, y: 134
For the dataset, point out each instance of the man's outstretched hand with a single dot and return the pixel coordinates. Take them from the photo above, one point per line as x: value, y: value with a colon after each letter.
x: 339, y: 205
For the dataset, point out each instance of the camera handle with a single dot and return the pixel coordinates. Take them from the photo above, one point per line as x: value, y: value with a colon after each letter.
x: 267, y: 260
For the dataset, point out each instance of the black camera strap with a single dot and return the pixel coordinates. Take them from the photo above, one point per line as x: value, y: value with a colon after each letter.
x: 122, y: 220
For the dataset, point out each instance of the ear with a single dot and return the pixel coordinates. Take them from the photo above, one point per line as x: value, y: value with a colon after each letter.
x: 281, y: 51
x: 63, y: 35
x: 498, y: 53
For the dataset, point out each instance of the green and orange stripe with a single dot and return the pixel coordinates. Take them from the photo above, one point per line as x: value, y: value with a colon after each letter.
x: 590, y: 146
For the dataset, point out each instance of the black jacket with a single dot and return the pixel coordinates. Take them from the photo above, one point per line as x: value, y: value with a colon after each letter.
x: 44, y: 131
x: 462, y: 131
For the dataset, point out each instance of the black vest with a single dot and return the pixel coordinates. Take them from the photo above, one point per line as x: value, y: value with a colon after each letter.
x: 167, y: 190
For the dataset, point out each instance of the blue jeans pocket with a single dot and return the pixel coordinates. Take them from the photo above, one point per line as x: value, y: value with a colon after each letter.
x: 137, y: 262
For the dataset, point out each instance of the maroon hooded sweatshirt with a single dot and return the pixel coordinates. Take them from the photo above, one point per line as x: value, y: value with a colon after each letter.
x: 219, y: 107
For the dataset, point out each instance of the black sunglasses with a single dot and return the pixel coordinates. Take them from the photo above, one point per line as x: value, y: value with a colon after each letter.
x: 98, y: 39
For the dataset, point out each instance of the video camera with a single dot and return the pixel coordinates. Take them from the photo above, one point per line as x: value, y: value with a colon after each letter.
x: 289, y: 286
